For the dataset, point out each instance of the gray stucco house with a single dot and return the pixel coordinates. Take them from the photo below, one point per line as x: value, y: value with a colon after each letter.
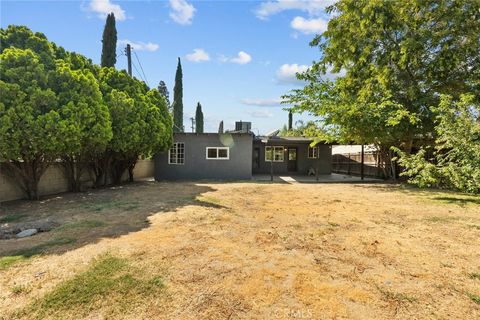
x: 238, y: 155
x: 194, y: 156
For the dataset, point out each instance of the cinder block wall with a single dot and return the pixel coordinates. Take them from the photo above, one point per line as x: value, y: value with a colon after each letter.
x: 53, y: 181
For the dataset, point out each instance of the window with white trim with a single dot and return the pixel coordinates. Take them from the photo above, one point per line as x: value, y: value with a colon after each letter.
x: 278, y: 154
x: 312, y: 152
x: 176, y: 154
x: 218, y: 153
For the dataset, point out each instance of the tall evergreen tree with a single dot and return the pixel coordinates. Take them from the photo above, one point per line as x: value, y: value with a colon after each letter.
x: 220, y: 127
x: 162, y: 88
x: 109, y: 42
x: 199, y: 119
x: 178, y: 100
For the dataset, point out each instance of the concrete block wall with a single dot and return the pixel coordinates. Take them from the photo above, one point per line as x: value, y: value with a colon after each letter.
x: 8, y: 190
x: 53, y: 181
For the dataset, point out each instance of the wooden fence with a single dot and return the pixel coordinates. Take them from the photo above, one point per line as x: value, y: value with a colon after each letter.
x: 350, y: 163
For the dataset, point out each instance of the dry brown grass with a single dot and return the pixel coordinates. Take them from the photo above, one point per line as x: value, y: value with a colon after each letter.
x: 264, y: 251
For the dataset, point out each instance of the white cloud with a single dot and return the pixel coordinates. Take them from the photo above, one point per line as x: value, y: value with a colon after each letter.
x: 312, y: 7
x: 307, y: 26
x: 287, y: 72
x: 241, y: 58
x: 104, y: 7
x: 181, y: 12
x: 139, y: 45
x: 198, y: 55
x: 261, y: 102
x: 260, y: 113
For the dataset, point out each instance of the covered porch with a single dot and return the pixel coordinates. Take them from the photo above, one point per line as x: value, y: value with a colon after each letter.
x: 290, y: 156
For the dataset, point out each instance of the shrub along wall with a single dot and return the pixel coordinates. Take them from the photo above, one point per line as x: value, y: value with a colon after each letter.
x: 53, y: 181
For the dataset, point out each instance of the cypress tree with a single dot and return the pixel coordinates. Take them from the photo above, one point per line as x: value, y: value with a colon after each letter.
x: 290, y: 120
x: 220, y: 127
x: 178, y: 100
x: 199, y: 119
x: 162, y: 88
x: 109, y: 42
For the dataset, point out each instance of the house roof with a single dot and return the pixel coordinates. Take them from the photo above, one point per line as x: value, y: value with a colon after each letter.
x: 285, y: 139
x: 211, y: 133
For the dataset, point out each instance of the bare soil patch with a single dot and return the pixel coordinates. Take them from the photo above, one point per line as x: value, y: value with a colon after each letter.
x: 245, y: 250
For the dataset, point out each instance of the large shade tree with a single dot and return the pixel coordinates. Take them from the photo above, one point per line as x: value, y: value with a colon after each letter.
x: 84, y: 124
x: 58, y: 107
x: 88, y: 127
x: 30, y: 122
x: 141, y: 124
x: 394, y: 60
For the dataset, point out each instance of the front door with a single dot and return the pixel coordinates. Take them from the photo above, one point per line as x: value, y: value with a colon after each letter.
x: 256, y: 158
x: 292, y: 159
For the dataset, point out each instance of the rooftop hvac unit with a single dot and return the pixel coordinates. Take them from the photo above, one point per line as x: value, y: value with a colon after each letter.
x: 241, y: 126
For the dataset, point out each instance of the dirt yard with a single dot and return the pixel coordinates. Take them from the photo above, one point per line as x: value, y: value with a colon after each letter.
x: 245, y: 251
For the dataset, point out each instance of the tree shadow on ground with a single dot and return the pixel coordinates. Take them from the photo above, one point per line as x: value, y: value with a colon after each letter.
x: 459, y: 201
x: 438, y: 195
x: 85, y: 218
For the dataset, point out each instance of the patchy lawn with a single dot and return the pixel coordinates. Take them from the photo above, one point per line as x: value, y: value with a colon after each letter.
x: 245, y: 250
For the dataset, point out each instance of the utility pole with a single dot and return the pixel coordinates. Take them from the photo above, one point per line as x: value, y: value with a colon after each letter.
x: 193, y: 124
x: 128, y: 51
x: 271, y: 163
x: 362, y: 174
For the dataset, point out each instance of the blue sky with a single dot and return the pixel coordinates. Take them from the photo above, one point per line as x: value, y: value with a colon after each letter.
x: 238, y: 57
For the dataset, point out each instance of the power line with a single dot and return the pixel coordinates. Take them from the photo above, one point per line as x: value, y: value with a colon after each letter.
x: 138, y: 72
x: 136, y: 56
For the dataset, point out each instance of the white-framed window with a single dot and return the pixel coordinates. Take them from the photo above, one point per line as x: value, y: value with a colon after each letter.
x: 312, y: 152
x: 176, y: 154
x: 218, y: 153
x: 278, y: 153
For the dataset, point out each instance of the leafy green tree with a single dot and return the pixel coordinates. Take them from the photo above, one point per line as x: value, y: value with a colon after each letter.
x: 109, y: 42
x: 57, y: 105
x: 82, y: 121
x: 23, y: 38
x: 394, y: 60
x: 151, y: 132
x: 199, y: 119
x: 162, y: 88
x: 160, y: 123
x: 88, y: 128
x: 304, y: 129
x: 455, y: 160
x: 178, y: 100
x: 141, y: 124
x: 30, y: 124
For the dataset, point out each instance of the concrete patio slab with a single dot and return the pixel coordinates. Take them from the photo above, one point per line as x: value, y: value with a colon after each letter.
x: 324, y: 178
